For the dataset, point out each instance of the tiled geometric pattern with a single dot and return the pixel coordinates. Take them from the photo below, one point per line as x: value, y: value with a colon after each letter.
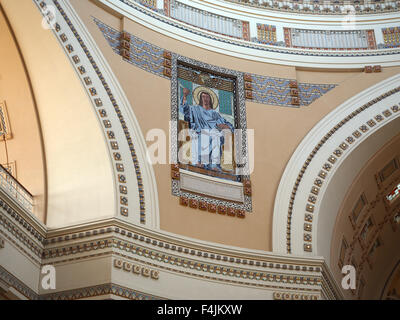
x: 266, y: 90
x: 112, y: 36
x: 266, y: 33
x: 308, y: 92
x: 151, y: 4
x: 273, y: 91
x: 276, y: 91
x: 142, y: 54
x: 391, y: 37
x: 12, y: 281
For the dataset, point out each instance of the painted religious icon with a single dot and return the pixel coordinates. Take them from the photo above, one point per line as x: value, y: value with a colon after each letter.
x: 206, y: 121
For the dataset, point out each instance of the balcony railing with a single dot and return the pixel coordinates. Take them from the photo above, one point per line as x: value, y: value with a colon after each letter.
x: 15, y: 190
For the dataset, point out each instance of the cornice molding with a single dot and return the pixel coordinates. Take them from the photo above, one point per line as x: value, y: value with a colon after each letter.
x: 293, y: 7
x: 118, y: 238
x: 339, y: 59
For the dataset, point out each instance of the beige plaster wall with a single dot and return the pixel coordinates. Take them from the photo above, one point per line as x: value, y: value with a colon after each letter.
x: 278, y: 130
x: 80, y: 179
x: 25, y: 148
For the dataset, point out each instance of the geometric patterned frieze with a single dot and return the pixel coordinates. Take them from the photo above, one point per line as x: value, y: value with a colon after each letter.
x: 264, y: 89
x: 11, y: 281
x: 323, y: 7
x: 279, y: 48
x: 141, y: 54
x: 100, y: 290
x: 294, y: 296
x: 391, y: 37
x: 144, y: 254
x: 136, y: 269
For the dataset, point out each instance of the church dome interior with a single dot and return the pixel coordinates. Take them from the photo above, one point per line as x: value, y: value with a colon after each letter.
x: 201, y: 150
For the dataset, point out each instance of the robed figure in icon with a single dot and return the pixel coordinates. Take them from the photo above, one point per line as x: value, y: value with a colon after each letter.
x: 206, y: 127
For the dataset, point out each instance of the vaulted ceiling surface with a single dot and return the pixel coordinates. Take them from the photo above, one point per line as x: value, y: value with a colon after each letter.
x: 75, y: 148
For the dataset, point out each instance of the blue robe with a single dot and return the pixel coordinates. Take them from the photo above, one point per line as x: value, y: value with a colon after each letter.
x: 204, y: 123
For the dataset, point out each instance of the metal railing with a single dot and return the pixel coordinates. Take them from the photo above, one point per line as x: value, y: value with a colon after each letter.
x: 15, y: 190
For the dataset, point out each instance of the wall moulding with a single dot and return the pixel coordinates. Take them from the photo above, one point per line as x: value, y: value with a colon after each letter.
x: 120, y: 240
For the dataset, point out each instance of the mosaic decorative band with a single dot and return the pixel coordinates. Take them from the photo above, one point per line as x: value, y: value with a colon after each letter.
x: 11, y: 281
x: 266, y: 34
x: 134, y: 50
x: 391, y: 37
x: 100, y: 290
x: 323, y: 7
x: 260, y: 89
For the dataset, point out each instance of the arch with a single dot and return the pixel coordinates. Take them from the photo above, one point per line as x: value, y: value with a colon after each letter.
x: 129, y: 135
x: 106, y: 149
x: 325, y: 164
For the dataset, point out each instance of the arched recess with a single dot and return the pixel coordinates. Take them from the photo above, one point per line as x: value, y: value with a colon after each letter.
x: 325, y: 164
x: 88, y: 166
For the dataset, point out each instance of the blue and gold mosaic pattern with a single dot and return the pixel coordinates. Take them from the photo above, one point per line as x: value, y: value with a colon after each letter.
x: 309, y: 92
x: 266, y: 90
x: 142, y: 54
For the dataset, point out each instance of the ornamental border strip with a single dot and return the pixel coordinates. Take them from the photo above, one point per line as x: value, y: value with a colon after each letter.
x: 12, y: 230
x: 256, y: 275
x: 310, y: 11
x: 102, y: 289
x: 276, y: 277
x: 251, y: 45
x: 305, y: 96
x: 182, y: 249
x: 14, y: 282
